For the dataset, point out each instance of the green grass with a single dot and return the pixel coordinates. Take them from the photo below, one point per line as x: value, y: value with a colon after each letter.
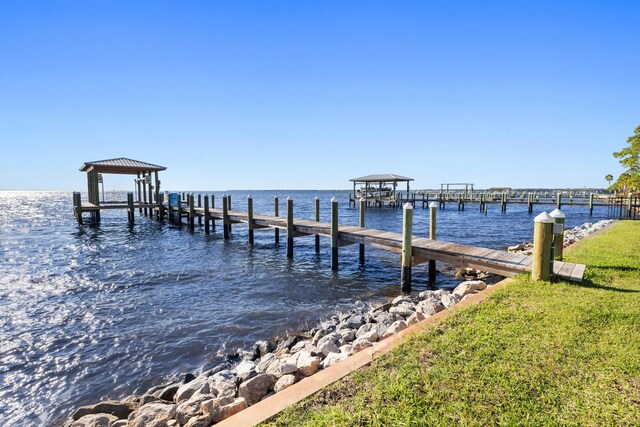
x: 532, y: 354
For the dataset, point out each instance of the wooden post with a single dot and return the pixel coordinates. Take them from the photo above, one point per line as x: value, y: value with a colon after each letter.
x: 77, y: 207
x: 289, y: 227
x: 542, y: 240
x: 139, y: 195
x: 157, y: 181
x: 559, y: 205
x: 192, y: 211
x: 161, y: 206
x: 558, y: 233
x: 334, y: 234
x: 481, y: 202
x: 150, y: 193
x: 432, y: 236
x: 131, y: 209
x: 250, y: 218
x: 199, y: 205
x: 276, y: 213
x: 207, y: 229
x: 179, y: 207
x: 407, y: 223
x: 228, y: 209
x: 590, y: 204
x: 317, y: 218
x: 225, y: 217
x: 362, y: 207
x: 213, y: 206
x: 144, y: 193
x: 169, y: 209
x: 530, y: 203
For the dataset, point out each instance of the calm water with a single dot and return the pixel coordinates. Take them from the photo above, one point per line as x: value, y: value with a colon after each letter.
x: 89, y: 312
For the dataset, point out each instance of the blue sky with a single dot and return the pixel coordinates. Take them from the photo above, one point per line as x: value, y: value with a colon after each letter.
x: 308, y: 94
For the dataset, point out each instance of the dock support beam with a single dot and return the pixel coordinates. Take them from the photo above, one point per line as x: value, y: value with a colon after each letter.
x: 590, y: 204
x: 559, y: 206
x: 192, y: 212
x: 542, y: 240
x: 77, y: 207
x: 213, y: 206
x: 276, y: 213
x: 179, y: 210
x: 199, y: 205
x: 289, y: 227
x: 225, y: 217
x: 317, y: 218
x: 362, y: 207
x: 250, y: 218
x: 558, y: 233
x: 334, y: 234
x: 207, y: 229
x: 131, y: 209
x: 432, y: 236
x: 407, y: 223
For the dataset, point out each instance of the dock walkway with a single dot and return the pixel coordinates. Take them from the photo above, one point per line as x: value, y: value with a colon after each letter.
x: 494, y: 261
x: 423, y: 250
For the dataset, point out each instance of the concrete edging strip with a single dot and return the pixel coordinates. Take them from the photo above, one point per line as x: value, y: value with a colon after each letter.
x: 269, y: 407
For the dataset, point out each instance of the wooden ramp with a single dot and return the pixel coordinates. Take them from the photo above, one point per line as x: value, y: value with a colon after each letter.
x: 494, y: 261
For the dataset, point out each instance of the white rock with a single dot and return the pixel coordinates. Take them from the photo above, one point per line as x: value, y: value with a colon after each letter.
x: 360, y: 344
x: 223, y: 383
x: 188, y: 409
x: 328, y: 347
x: 449, y: 299
x: 199, y: 421
x: 415, y: 318
x: 333, y: 358
x: 469, y: 287
x: 347, y: 334
x: 198, y: 385
x: 405, y: 309
x: 95, y: 420
x: 429, y: 307
x: 254, y: 389
x: 346, y: 348
x: 306, y: 363
x: 400, y: 299
x: 245, y: 369
x: 395, y: 327
x: 221, y: 408
x: 368, y: 331
x: 152, y: 415
x: 284, y: 382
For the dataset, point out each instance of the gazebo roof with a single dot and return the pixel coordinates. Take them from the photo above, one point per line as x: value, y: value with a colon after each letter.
x: 382, y: 177
x: 121, y: 165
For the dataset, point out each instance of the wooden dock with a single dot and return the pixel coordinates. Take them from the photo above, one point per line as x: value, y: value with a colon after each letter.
x: 422, y: 249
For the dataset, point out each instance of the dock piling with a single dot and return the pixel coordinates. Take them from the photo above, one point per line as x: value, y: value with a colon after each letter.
x: 317, y: 218
x: 558, y: 233
x: 542, y: 241
x: 432, y: 236
x: 407, y: 222
x: 250, y: 218
x: 199, y: 205
x: 213, y: 206
x: 130, y: 209
x: 207, y: 229
x: 225, y: 217
x: 334, y: 234
x: 362, y: 208
x: 77, y: 207
x: 192, y: 211
x: 289, y: 227
x: 276, y: 213
x: 590, y: 204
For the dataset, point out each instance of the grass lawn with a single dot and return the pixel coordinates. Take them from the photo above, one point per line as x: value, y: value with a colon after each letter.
x: 532, y: 354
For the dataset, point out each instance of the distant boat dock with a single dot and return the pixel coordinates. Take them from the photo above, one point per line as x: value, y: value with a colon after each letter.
x: 414, y: 250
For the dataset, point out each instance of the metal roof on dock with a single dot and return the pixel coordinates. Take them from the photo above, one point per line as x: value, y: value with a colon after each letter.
x: 120, y: 165
x: 382, y: 177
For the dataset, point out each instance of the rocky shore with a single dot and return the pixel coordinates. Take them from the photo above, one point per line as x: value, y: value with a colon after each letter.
x: 271, y: 366
x: 571, y: 236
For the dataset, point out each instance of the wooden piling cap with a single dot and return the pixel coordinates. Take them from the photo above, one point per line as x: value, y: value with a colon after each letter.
x: 407, y: 206
x: 433, y: 205
x: 362, y: 199
x: 557, y: 213
x: 334, y: 200
x: 544, y: 218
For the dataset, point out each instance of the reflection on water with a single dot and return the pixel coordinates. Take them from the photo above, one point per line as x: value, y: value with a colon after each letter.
x: 105, y: 311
